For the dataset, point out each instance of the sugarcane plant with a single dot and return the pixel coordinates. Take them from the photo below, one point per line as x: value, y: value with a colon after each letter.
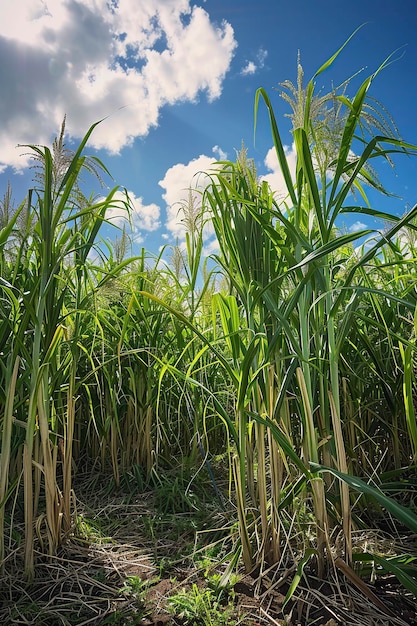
x: 46, y: 291
x: 298, y: 282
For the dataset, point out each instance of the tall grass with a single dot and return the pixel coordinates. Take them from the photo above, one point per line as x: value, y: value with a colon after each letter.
x: 300, y: 297
x: 45, y: 292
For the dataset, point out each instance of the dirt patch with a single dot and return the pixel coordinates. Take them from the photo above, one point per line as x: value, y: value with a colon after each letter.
x: 126, y: 561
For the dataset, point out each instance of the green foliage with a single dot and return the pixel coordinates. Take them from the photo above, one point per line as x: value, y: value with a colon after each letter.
x: 134, y: 585
x: 201, y: 607
x: 403, y: 567
x: 172, y: 496
x: 91, y: 531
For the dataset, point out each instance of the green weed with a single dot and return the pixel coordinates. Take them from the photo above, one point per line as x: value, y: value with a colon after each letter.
x: 201, y: 607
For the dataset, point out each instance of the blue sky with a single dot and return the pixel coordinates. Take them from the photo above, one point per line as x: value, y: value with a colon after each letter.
x: 177, y: 81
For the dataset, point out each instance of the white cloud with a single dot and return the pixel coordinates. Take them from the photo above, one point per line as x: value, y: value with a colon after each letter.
x: 177, y: 183
x: 252, y: 66
x: 275, y: 177
x: 356, y: 227
x: 221, y: 155
x: 134, y: 214
x: 211, y: 246
x: 91, y: 58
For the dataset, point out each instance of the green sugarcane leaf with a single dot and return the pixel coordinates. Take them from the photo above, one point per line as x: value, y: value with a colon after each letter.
x: 282, y: 441
x: 330, y: 61
x: 309, y: 177
x: 406, y: 356
x: 184, y: 320
x: 400, y: 512
x: 282, y: 159
x: 405, y: 573
x: 6, y: 231
x: 298, y: 575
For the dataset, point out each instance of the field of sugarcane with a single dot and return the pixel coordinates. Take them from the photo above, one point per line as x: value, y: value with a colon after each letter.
x: 236, y: 434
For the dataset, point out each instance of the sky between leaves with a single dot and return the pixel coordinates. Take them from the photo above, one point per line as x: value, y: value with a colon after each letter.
x: 176, y: 79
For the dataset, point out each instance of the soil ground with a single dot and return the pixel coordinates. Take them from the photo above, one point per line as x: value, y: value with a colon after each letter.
x: 130, y: 563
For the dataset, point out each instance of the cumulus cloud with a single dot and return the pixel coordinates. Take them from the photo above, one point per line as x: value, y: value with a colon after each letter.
x: 129, y: 210
x: 274, y: 176
x: 184, y: 183
x: 252, y: 66
x: 90, y: 58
